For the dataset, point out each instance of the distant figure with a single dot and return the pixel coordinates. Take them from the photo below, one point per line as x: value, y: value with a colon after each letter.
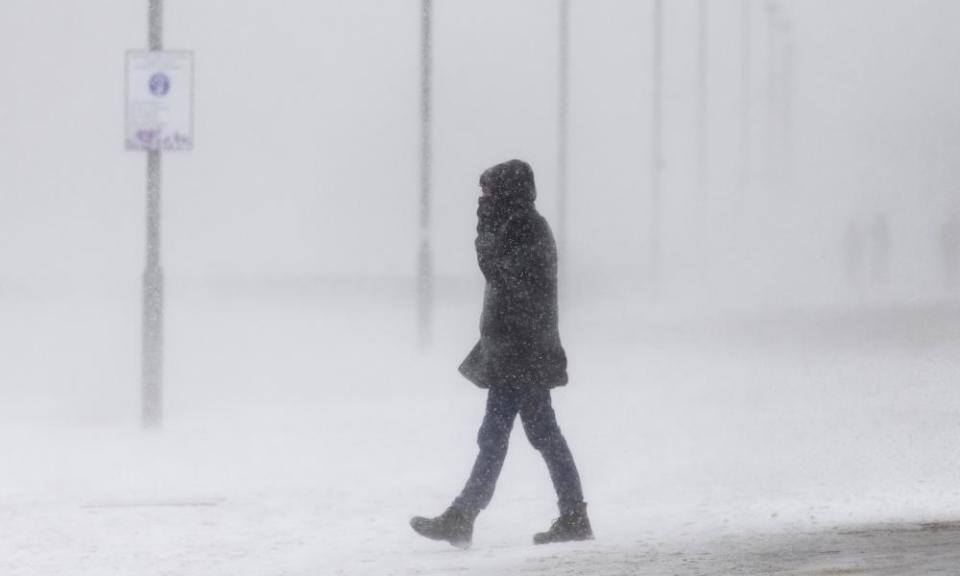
x: 853, y: 252
x: 880, y: 241
x: 950, y: 250
x: 518, y: 359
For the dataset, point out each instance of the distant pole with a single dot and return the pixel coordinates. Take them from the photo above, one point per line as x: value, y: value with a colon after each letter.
x: 425, y: 268
x: 745, y: 81
x: 772, y: 115
x: 789, y: 89
x: 703, y: 97
x: 703, y: 146
x: 656, y: 142
x: 782, y: 87
x: 152, y: 362
x: 563, y: 124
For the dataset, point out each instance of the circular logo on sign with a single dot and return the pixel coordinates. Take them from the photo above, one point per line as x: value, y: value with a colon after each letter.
x: 159, y: 84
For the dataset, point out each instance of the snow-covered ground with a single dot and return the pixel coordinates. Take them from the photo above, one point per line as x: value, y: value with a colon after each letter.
x: 304, y: 429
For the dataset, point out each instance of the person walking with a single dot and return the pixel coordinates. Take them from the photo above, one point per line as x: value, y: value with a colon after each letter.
x: 518, y: 359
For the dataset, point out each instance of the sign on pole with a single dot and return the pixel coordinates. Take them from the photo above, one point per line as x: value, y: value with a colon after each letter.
x: 159, y: 101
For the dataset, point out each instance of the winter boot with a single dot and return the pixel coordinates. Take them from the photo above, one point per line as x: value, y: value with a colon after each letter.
x: 454, y: 526
x: 574, y: 525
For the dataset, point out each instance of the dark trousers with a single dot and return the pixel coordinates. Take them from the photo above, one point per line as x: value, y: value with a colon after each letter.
x: 540, y: 424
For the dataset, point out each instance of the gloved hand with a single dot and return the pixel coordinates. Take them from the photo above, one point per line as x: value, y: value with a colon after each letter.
x: 486, y: 234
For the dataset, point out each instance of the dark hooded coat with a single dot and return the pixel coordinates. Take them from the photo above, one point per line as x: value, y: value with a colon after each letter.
x: 519, y: 336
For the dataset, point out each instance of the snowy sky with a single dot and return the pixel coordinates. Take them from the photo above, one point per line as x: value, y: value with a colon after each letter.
x: 306, y: 135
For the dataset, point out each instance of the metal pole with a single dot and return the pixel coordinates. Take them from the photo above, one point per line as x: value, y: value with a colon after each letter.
x: 771, y: 116
x: 789, y: 87
x: 780, y: 72
x: 656, y: 143
x: 152, y: 366
x: 701, y: 234
x: 702, y: 120
x: 785, y: 71
x: 745, y: 81
x: 563, y: 125
x: 424, y: 268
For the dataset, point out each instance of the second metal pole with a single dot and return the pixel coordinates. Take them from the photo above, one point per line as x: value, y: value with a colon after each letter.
x: 745, y: 91
x: 702, y: 95
x: 425, y: 266
x: 563, y: 99
x: 656, y: 143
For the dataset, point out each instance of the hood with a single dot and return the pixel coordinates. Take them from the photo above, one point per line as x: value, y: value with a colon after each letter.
x: 511, y: 180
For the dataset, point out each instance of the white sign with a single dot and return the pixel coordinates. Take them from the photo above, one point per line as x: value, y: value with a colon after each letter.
x: 159, y: 101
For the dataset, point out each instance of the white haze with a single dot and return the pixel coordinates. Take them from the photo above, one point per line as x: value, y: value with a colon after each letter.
x: 306, y: 130
x: 773, y: 377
